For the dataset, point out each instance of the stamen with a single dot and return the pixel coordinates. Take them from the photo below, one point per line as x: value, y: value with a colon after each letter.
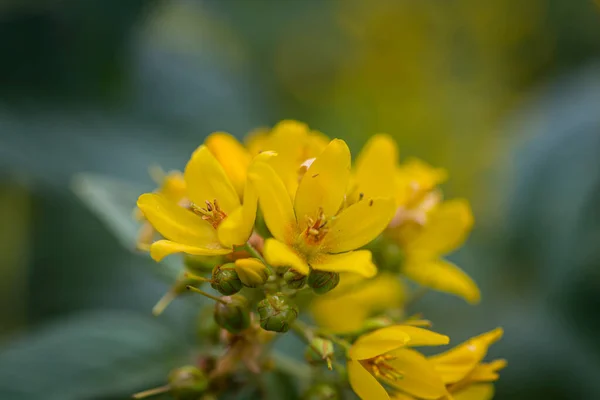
x: 212, y: 213
x: 316, y: 229
x: 381, y: 369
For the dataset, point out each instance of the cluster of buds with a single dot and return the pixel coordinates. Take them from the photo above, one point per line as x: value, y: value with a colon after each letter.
x: 284, y: 235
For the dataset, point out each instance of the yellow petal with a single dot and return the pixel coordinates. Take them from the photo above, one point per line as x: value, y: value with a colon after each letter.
x: 346, y: 233
x: 232, y: 156
x: 379, y: 342
x: 364, y: 384
x: 402, y: 396
x: 324, y: 184
x: 345, y: 308
x: 454, y: 364
x: 206, y: 180
x: 446, y: 229
x: 376, y: 167
x: 274, y: 201
x: 177, y: 223
x: 173, y: 186
x: 415, y: 177
x: 289, y: 140
x: 163, y: 248
x: 358, y: 262
x: 443, y: 276
x: 475, y: 392
x: 279, y: 254
x: 393, y: 337
x: 487, y: 372
x: 418, y: 375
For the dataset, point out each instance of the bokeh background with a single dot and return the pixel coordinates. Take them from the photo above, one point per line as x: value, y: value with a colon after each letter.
x: 505, y: 94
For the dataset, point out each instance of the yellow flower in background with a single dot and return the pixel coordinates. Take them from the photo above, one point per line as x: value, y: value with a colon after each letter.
x: 313, y: 231
x: 295, y: 144
x: 424, y: 246
x: 462, y: 369
x: 416, y: 190
x: 346, y: 308
x: 216, y: 219
x: 172, y: 187
x: 384, y: 357
x: 424, y: 228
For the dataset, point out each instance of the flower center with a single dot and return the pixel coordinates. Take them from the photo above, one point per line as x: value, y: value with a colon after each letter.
x: 212, y: 213
x: 380, y: 368
x: 316, y: 229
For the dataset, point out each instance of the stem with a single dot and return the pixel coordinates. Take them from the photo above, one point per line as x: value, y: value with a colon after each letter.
x: 203, y: 293
x: 152, y: 392
x: 163, y: 303
x: 195, y: 277
x: 339, y: 341
x: 255, y: 253
x: 302, y: 330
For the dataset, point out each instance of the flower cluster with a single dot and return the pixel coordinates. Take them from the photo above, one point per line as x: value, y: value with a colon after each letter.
x: 285, y: 225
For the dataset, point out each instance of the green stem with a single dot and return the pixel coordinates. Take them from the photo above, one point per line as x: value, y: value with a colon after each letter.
x: 302, y: 330
x: 339, y: 341
x: 203, y: 293
x: 152, y: 392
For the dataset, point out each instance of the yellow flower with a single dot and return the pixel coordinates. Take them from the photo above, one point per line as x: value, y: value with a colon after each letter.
x: 462, y: 370
x: 384, y: 357
x: 313, y: 232
x: 294, y: 143
x: 216, y: 219
x: 424, y: 246
x: 172, y: 187
x: 346, y: 308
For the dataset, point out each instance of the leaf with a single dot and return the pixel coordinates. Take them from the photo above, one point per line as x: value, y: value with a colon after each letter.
x: 95, y: 355
x: 114, y: 201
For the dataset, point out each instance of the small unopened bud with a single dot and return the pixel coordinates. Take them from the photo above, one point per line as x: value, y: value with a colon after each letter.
x: 233, y: 316
x: 277, y: 313
x: 294, y: 279
x: 187, y: 382
x: 323, y: 281
x: 225, y: 280
x: 321, y: 391
x: 319, y: 351
x: 251, y: 271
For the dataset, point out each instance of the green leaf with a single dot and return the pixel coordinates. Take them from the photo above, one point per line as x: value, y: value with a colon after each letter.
x: 114, y: 202
x: 92, y: 356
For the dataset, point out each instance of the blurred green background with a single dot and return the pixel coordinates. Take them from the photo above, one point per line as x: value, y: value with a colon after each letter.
x: 503, y: 93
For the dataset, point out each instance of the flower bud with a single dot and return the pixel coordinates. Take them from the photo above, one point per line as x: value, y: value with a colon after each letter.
x: 277, y: 313
x: 233, y: 316
x: 319, y: 351
x: 225, y: 280
x: 294, y: 279
x: 321, y: 391
x: 323, y: 281
x: 187, y: 382
x: 251, y: 271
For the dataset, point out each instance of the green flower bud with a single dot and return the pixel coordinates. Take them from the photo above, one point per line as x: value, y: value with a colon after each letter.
x: 277, y: 313
x: 225, y: 280
x: 323, y: 281
x: 187, y: 382
x: 319, y: 351
x: 321, y: 391
x: 233, y: 316
x: 251, y: 271
x: 294, y: 279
